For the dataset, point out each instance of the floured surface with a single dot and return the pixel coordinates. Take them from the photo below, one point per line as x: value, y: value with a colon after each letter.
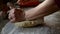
x: 11, y: 29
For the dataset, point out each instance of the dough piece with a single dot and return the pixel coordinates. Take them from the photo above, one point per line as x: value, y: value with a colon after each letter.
x: 28, y: 23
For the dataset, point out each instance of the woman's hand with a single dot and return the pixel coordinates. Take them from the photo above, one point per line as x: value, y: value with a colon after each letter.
x: 16, y: 15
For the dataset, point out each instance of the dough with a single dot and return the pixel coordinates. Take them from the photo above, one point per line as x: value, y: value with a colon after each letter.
x: 29, y: 23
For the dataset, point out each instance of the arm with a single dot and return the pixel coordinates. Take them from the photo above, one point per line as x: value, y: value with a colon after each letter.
x: 43, y: 9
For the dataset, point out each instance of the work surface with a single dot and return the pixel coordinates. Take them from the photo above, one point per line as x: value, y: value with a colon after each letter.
x: 11, y: 29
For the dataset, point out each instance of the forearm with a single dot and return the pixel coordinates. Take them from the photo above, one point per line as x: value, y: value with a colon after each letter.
x: 41, y: 10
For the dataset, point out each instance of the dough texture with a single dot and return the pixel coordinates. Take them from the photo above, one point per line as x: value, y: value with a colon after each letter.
x: 29, y: 23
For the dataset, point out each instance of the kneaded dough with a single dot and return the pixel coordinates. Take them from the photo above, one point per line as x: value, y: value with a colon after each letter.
x: 28, y: 23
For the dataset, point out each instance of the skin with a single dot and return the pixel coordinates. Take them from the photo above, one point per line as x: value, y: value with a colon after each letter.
x: 45, y: 8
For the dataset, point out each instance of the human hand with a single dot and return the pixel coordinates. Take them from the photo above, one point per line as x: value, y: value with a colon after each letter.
x: 16, y: 15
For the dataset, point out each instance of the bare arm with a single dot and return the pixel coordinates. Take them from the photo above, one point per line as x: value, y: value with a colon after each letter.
x: 43, y: 9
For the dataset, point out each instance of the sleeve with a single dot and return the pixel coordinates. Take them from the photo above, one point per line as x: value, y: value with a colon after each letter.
x: 58, y: 3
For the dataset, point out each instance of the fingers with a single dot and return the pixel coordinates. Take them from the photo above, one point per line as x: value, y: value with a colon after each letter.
x: 12, y: 18
x: 16, y: 15
x: 11, y: 15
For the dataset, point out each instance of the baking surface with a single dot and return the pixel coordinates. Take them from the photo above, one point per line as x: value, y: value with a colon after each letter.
x: 11, y: 29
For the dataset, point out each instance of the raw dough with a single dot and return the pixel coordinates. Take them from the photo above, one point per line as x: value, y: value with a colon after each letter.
x: 29, y: 23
